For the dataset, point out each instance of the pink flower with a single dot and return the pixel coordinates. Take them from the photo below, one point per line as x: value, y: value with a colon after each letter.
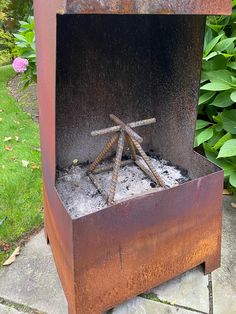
x: 20, y: 64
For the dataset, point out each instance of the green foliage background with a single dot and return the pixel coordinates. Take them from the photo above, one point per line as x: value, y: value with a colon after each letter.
x: 11, y: 12
x: 25, y: 48
x: 216, y: 124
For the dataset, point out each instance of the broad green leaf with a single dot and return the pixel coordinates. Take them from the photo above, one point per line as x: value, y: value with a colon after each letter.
x: 233, y: 96
x: 232, y: 179
x: 216, y: 86
x: 222, y: 100
x: 216, y: 63
x: 208, y: 37
x: 20, y: 37
x: 224, y: 44
x: 229, y: 120
x: 215, y: 138
x: 32, y: 45
x: 205, y: 135
x: 228, y: 149
x: 29, y: 36
x: 225, y: 164
x: 200, y: 124
x: 224, y: 76
x: 211, y: 55
x: 232, y: 65
x: 204, y: 77
x: 205, y: 97
x: 222, y: 140
x: 212, y: 44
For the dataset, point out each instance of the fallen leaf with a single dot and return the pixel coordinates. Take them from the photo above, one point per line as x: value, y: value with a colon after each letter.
x: 9, y: 148
x: 6, y: 139
x: 226, y: 192
x: 25, y: 163
x: 12, y: 158
x: 35, y: 166
x: 12, y: 258
x: 4, y: 246
x: 233, y: 205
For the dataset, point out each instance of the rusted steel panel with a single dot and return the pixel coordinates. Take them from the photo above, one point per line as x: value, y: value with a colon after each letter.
x: 135, y: 66
x: 138, y: 244
x: 118, y: 252
x: 205, y: 7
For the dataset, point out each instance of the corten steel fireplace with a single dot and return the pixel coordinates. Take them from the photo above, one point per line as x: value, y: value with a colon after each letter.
x: 135, y: 59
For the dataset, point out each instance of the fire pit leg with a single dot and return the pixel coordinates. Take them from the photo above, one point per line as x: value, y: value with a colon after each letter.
x: 211, y: 264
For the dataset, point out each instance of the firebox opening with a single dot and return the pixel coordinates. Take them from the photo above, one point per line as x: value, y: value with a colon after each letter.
x: 135, y: 67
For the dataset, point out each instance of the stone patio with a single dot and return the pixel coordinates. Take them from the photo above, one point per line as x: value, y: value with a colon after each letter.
x: 31, y: 284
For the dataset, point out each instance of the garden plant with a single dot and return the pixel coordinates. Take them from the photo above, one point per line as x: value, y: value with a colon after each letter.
x: 216, y: 124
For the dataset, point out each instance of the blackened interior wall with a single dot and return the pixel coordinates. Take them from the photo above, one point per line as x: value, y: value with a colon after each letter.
x: 135, y: 66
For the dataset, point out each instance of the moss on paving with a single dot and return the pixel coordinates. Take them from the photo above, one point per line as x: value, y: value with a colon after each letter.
x: 20, y: 169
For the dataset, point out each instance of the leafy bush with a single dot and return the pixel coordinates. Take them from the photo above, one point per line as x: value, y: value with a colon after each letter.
x: 216, y: 124
x: 25, y: 48
x: 6, y: 47
x: 14, y: 11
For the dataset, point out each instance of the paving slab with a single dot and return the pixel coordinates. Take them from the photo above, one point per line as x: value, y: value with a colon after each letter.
x: 224, y: 278
x: 8, y: 310
x: 189, y: 289
x: 32, y: 279
x: 143, y: 306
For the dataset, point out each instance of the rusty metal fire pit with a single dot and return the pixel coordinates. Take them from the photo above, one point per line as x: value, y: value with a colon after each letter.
x: 135, y: 59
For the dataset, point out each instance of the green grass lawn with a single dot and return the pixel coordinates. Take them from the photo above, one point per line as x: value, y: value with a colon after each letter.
x: 20, y: 169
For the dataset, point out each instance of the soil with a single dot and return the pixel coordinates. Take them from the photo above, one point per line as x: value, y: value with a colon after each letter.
x: 27, y: 98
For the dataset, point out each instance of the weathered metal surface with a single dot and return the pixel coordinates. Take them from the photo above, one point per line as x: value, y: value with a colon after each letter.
x: 149, y: 6
x: 116, y: 253
x: 124, y: 65
x: 138, y: 244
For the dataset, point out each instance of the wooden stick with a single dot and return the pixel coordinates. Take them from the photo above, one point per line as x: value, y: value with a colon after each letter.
x: 118, y: 127
x: 126, y: 128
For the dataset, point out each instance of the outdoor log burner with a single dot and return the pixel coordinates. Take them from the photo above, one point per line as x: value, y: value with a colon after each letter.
x: 136, y: 60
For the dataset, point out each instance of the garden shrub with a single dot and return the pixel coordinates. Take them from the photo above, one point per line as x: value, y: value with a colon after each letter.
x: 216, y: 124
x: 25, y: 49
x: 6, y: 47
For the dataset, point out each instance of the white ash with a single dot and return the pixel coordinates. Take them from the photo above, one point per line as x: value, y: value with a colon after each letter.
x: 80, y: 196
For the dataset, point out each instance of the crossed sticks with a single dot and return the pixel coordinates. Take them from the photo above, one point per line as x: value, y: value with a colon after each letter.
x: 122, y: 132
